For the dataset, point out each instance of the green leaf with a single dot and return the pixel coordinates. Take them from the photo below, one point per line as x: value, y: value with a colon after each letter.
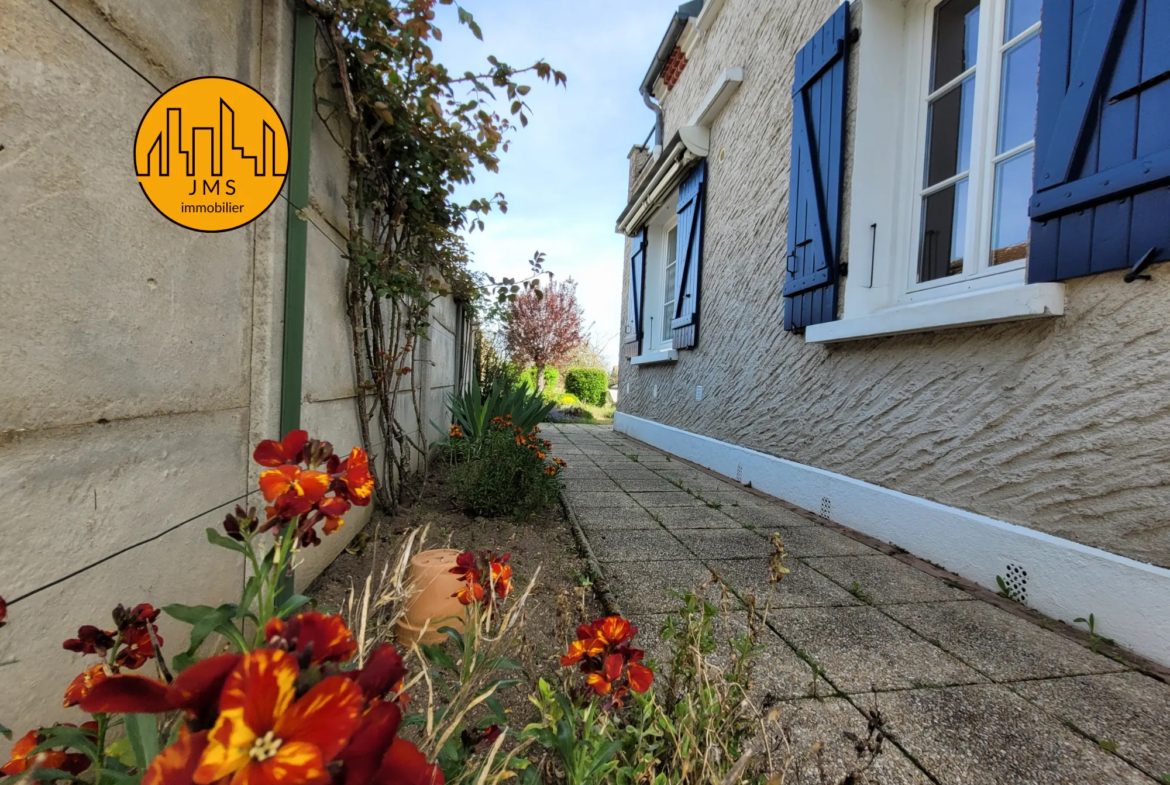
x: 142, y: 730
x: 292, y: 604
x: 68, y: 737
x: 503, y: 664
x: 439, y: 657
x: 223, y: 541
x: 49, y: 775
x: 121, y: 750
x: 453, y: 633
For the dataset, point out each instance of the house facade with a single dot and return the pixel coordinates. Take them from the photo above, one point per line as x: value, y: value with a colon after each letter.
x: 894, y: 262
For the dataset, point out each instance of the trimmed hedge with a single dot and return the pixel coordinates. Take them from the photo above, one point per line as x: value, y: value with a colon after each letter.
x: 588, y: 384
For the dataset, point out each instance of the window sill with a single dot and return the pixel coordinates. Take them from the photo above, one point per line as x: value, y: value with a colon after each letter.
x: 1008, y: 304
x: 655, y: 357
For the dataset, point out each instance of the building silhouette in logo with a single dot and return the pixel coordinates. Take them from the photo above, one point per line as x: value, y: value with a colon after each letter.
x: 204, y: 140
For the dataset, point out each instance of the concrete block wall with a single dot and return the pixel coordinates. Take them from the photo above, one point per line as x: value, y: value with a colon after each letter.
x: 141, y: 362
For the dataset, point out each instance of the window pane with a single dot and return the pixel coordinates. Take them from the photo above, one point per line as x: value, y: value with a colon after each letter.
x: 1010, y: 223
x: 944, y: 233
x: 956, y: 40
x: 667, y: 317
x: 1021, y: 15
x: 668, y: 282
x: 1017, y: 102
x: 948, y: 133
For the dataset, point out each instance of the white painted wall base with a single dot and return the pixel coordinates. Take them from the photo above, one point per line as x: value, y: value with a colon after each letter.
x: 1065, y: 580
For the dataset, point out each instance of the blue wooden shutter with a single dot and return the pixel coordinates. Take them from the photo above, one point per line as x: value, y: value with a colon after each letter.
x: 1102, y: 138
x: 815, y: 180
x: 636, y: 295
x: 692, y: 195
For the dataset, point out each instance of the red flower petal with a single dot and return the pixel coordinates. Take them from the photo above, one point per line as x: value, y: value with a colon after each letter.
x: 293, y: 444
x: 613, y: 667
x: 383, y: 670
x: 128, y: 694
x: 639, y: 677
x: 84, y: 682
x: 197, y: 689
x: 177, y: 763
x: 325, y: 717
x: 3, y: 611
x: 277, y: 482
x: 404, y: 764
x: 363, y: 755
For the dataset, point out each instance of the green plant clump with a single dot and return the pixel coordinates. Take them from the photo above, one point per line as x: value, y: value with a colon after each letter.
x: 473, y: 411
x: 588, y: 384
x: 510, y: 474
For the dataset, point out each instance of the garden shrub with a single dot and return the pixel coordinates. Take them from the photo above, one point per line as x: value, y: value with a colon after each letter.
x: 588, y: 384
x: 527, y: 377
x: 567, y: 399
x: 510, y: 472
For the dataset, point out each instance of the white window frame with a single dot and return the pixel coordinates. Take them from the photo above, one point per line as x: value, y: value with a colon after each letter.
x: 889, y: 161
x: 655, y: 348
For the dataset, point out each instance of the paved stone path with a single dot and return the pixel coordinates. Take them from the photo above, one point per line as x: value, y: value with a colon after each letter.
x: 970, y: 693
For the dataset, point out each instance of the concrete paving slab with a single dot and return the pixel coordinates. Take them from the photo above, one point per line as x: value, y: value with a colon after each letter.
x: 584, y: 500
x: 732, y: 498
x: 612, y: 545
x: 628, y: 469
x: 805, y: 541
x: 881, y: 580
x: 804, y: 587
x: 1129, y: 712
x: 725, y: 543
x: 777, y: 673
x: 986, y: 735
x: 586, y: 484
x: 644, y: 485
x: 595, y: 518
x: 998, y: 644
x: 643, y: 588
x: 809, y: 722
x: 663, y: 498
x: 694, y: 518
x: 861, y: 649
x: 767, y: 516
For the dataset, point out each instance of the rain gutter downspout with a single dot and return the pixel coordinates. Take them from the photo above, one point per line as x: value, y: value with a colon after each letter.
x: 297, y: 234
x: 678, y: 23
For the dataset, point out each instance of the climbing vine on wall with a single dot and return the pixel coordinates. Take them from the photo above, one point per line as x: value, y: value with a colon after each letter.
x: 413, y: 132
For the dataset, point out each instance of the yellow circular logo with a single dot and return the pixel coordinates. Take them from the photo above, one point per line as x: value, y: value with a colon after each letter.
x: 211, y: 154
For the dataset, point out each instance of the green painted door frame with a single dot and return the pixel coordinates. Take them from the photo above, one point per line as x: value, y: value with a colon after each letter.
x: 297, y: 237
x: 296, y: 250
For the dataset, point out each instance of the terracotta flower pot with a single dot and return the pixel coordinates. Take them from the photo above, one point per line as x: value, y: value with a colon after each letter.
x: 431, y: 603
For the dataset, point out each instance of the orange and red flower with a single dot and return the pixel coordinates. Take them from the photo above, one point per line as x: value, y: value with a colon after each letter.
x: 79, y: 688
x: 288, y: 451
x: 20, y: 760
x: 485, y: 579
x: 355, y: 482
x: 611, y: 666
x: 265, y: 735
x: 297, y: 489
x: 312, y: 636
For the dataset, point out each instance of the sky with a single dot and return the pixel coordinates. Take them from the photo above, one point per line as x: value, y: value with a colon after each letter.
x: 565, y: 175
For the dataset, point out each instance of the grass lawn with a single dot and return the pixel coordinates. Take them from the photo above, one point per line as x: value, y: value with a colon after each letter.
x: 589, y: 415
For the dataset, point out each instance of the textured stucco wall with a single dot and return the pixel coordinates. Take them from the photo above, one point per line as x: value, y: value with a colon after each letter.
x: 142, y: 361
x: 1061, y: 425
